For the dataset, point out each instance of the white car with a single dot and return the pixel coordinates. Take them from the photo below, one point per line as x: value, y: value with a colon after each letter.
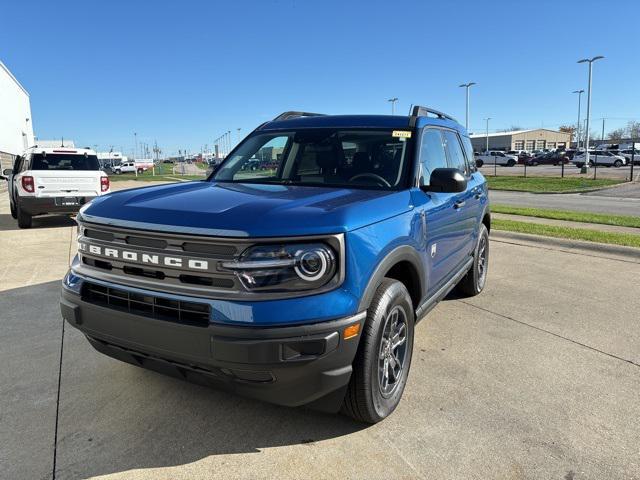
x: 496, y: 157
x: 629, y: 154
x: 600, y: 157
x: 53, y: 180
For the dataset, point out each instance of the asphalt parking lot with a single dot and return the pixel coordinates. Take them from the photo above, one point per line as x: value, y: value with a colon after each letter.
x: 570, y: 170
x: 538, y: 377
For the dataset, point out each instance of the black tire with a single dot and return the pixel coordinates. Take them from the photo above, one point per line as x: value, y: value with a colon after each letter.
x: 617, y: 163
x: 579, y: 165
x: 511, y: 163
x: 12, y: 207
x: 140, y: 171
x: 367, y: 399
x: 24, y: 219
x: 476, y: 278
x: 479, y: 163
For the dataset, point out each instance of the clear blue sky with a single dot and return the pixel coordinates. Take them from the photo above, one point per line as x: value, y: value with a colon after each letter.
x: 182, y: 72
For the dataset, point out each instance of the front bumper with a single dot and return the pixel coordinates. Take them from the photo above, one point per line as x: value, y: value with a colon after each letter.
x: 42, y: 205
x: 290, y: 365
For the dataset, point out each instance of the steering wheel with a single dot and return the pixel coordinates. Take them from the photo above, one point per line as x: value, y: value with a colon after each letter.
x: 376, y: 177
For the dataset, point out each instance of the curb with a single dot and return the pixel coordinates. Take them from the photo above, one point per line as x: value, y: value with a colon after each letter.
x: 566, y: 192
x: 629, y: 252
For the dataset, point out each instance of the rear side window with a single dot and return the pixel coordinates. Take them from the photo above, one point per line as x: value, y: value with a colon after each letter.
x: 454, y: 151
x: 63, y: 161
x: 468, y: 150
x: 432, y: 154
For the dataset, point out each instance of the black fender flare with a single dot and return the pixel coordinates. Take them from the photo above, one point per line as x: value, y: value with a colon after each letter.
x: 404, y: 253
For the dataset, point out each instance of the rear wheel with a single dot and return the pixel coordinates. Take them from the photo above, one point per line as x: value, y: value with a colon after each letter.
x: 579, y: 165
x: 382, y: 363
x: 473, y: 282
x: 24, y: 219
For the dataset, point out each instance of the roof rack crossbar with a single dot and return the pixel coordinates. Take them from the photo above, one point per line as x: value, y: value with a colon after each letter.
x: 420, y: 111
x: 294, y: 114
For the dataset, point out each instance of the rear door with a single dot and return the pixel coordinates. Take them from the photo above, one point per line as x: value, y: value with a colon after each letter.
x: 65, y: 175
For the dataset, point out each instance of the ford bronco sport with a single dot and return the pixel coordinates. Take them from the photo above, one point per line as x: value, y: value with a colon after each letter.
x: 297, y: 283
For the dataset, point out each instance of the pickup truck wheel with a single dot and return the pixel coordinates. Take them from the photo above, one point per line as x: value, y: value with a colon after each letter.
x: 24, y: 219
x: 382, y: 363
x: 473, y: 282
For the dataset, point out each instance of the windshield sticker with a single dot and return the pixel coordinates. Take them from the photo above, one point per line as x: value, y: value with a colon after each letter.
x: 401, y: 134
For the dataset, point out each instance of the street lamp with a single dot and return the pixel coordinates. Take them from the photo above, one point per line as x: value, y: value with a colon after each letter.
x: 585, y: 167
x: 579, y: 92
x: 487, y: 134
x: 466, y: 118
x: 393, y: 104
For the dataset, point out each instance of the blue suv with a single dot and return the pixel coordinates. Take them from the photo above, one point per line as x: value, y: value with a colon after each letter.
x: 297, y: 271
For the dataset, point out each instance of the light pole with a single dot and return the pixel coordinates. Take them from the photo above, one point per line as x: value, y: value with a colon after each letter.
x: 239, y: 129
x: 579, y: 92
x: 135, y: 152
x: 486, y: 149
x: 585, y: 167
x: 466, y: 118
x: 393, y: 104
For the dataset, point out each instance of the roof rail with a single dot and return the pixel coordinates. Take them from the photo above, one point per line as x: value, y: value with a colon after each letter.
x: 293, y: 114
x: 420, y: 111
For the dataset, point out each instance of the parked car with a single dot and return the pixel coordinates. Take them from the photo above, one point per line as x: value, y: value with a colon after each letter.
x: 498, y: 158
x: 551, y: 158
x: 131, y: 166
x: 600, y: 157
x: 630, y: 154
x: 298, y: 287
x: 53, y: 181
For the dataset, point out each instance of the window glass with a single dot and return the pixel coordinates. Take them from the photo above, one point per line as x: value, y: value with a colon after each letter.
x: 324, y: 156
x: 432, y: 154
x: 454, y: 151
x: 64, y: 161
x: 468, y: 150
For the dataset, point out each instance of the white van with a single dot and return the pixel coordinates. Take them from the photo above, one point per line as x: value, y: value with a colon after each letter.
x: 53, y: 180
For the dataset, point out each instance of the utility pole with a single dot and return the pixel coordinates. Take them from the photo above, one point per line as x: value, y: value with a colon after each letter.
x: 393, y: 104
x: 135, y: 151
x: 579, y: 92
x: 466, y: 118
x: 585, y: 167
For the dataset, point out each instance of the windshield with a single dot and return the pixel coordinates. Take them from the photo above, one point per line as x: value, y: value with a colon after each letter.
x: 64, y: 161
x: 325, y: 157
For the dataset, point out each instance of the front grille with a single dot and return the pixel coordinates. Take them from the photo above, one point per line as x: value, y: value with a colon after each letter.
x: 101, y: 241
x: 161, y: 308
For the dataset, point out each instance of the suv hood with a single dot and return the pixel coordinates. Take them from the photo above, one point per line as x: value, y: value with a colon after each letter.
x: 246, y: 210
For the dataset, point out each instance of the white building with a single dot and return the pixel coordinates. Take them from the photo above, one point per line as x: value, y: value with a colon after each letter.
x: 16, y: 129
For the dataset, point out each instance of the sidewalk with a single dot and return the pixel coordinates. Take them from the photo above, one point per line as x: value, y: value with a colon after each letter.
x: 566, y: 223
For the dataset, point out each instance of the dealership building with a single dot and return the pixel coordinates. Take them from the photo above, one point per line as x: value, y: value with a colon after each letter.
x: 536, y: 139
x: 16, y: 129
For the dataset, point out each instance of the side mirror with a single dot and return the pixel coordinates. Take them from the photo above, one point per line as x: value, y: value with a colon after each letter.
x: 7, y: 172
x: 446, y: 180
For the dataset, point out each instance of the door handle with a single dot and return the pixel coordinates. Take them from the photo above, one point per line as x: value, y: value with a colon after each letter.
x: 459, y: 204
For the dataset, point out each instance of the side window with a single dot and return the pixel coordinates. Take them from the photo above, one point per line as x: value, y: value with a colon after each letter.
x: 454, y: 151
x: 468, y: 150
x: 432, y: 154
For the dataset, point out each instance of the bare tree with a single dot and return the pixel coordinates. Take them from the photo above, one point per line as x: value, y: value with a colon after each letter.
x: 633, y: 129
x: 617, y: 134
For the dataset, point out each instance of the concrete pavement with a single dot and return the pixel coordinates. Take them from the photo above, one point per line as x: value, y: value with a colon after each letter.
x: 531, y: 379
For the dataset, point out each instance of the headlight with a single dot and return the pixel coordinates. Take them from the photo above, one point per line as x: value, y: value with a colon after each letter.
x: 286, y: 268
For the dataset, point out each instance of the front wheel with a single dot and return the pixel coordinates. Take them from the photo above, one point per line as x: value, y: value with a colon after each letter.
x: 617, y: 163
x: 473, y: 282
x: 511, y: 163
x: 381, y: 366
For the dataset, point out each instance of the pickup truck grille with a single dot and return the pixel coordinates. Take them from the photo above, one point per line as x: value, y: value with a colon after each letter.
x: 176, y: 263
x: 178, y: 311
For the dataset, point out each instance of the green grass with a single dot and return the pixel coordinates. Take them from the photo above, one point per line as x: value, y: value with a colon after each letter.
x: 548, y: 184
x: 586, y: 217
x: 625, y: 239
x: 157, y: 178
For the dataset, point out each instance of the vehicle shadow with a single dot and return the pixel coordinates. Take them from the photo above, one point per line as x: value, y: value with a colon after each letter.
x: 8, y: 223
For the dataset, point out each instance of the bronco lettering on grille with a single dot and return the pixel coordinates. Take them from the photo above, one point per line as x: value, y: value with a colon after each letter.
x: 146, y: 258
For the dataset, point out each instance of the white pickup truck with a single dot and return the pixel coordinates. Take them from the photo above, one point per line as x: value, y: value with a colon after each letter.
x: 53, y: 180
x: 132, y: 166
